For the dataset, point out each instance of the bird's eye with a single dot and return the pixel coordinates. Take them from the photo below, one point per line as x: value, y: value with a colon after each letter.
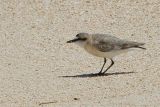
x: 83, y: 39
x: 77, y: 35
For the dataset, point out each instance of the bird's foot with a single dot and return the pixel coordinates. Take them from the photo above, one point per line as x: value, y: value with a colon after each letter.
x: 100, y: 74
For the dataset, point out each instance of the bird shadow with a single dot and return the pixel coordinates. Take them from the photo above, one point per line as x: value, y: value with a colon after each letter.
x: 96, y: 75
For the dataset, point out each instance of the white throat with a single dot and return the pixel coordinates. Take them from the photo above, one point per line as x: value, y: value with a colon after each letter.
x: 80, y: 43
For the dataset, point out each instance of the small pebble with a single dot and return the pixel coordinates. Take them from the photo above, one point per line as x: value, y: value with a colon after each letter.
x: 87, y: 1
x: 76, y: 98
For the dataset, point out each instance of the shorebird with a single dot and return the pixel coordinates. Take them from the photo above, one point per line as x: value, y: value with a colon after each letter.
x: 105, y: 46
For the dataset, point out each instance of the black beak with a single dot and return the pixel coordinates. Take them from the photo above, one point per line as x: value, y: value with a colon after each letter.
x: 74, y: 40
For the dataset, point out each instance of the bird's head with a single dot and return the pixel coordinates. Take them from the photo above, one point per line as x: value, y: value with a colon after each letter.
x: 80, y: 37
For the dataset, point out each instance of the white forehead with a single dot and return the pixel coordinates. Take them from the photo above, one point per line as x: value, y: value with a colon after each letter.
x: 82, y: 35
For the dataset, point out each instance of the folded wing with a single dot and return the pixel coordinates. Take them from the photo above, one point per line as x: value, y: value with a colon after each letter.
x: 107, y: 43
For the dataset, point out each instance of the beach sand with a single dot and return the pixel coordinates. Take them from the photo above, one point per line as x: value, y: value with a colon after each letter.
x: 38, y: 68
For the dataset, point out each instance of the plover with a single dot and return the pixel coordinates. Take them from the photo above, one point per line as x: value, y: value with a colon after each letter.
x: 104, y: 45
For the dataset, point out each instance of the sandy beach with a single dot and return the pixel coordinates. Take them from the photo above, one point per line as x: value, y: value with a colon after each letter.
x: 39, y: 69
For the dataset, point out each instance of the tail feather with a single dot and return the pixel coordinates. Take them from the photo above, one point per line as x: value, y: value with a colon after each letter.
x: 138, y: 45
x: 133, y: 45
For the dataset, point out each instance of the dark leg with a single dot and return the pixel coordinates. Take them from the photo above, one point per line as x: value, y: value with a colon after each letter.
x: 112, y: 62
x: 102, y: 66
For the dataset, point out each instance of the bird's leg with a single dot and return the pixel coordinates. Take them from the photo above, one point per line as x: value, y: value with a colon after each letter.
x: 102, y: 66
x: 112, y: 63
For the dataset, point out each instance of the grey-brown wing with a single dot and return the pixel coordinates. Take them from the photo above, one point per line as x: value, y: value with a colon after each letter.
x: 103, y: 46
x: 106, y: 43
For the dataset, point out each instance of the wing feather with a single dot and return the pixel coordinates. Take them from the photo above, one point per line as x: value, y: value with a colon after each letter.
x: 107, y: 43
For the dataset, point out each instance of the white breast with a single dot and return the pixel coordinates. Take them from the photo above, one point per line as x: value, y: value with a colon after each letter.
x: 80, y: 43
